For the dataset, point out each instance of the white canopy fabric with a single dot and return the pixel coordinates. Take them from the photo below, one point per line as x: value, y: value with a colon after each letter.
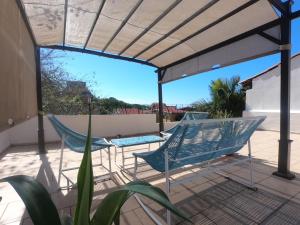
x: 160, y: 32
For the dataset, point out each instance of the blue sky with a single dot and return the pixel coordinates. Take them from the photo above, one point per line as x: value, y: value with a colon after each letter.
x: 137, y: 83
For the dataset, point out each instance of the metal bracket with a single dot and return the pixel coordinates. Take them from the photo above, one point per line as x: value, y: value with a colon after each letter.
x: 161, y: 75
x: 285, y: 47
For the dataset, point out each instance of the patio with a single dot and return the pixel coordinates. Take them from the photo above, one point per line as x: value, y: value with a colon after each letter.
x: 208, y: 200
x: 177, y: 39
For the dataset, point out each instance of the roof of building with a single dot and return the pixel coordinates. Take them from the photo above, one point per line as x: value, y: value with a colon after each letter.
x: 166, y: 109
x: 130, y: 111
x: 249, y: 80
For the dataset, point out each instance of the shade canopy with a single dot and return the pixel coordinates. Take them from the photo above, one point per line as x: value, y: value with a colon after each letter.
x: 184, y: 37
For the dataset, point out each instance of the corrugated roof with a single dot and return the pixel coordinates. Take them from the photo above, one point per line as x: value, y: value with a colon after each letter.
x: 180, y: 35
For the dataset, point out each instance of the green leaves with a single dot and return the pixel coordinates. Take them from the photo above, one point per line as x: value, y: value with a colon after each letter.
x: 36, y: 199
x: 85, y: 184
x: 155, y: 194
x: 228, y: 97
x: 109, y: 209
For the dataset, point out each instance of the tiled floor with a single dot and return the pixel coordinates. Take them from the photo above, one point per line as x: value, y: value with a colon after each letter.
x: 211, y: 199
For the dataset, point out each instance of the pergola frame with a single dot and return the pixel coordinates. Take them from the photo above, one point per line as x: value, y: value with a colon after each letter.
x: 285, y: 49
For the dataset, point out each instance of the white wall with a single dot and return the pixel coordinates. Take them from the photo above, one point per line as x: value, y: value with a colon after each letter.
x: 4, y: 140
x: 264, y: 97
x: 102, y: 126
x: 273, y: 119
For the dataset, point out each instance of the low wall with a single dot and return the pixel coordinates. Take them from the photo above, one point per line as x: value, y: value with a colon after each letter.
x: 102, y: 126
x: 272, y: 121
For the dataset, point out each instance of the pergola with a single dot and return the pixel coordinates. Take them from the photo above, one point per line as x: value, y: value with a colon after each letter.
x: 179, y: 38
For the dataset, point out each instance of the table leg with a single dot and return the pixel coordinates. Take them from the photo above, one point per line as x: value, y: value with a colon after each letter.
x: 123, y: 159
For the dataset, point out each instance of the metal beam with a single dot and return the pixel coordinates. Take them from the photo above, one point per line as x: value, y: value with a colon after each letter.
x: 40, y: 115
x: 169, y: 9
x: 285, y: 89
x: 270, y: 37
x: 295, y: 15
x: 160, y: 75
x: 94, y: 23
x: 65, y: 21
x: 132, y: 11
x: 26, y: 21
x: 221, y: 19
x: 279, y: 6
x: 103, y: 54
x: 186, y: 21
x: 227, y: 42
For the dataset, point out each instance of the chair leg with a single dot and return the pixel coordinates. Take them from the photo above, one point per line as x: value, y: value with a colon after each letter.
x: 168, y: 193
x: 250, y: 164
x: 115, y: 154
x: 101, y: 163
x: 135, y: 168
x: 167, y: 175
x: 123, y: 159
x: 61, y: 160
x: 109, y: 163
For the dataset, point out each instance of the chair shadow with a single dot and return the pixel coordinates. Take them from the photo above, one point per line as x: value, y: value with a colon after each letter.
x: 235, y: 203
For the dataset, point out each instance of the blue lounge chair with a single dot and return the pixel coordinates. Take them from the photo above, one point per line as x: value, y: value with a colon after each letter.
x: 199, y: 142
x: 186, y: 117
x: 76, y: 142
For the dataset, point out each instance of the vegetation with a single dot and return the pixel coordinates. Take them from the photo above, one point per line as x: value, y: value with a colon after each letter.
x: 108, y: 105
x: 227, y: 99
x: 43, y: 211
x: 63, y: 94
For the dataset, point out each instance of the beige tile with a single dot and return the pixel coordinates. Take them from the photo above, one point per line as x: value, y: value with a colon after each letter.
x: 130, y: 218
x: 15, y: 211
x: 3, y: 207
x: 279, y: 186
x: 146, y: 220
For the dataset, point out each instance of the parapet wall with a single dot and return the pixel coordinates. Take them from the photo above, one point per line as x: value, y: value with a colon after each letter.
x: 102, y: 126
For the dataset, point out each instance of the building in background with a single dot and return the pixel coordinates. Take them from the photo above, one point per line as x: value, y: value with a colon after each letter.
x: 76, y: 87
x: 171, y: 113
x: 263, y: 96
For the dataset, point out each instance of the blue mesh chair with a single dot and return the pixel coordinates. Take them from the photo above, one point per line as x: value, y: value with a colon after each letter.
x: 76, y: 142
x: 186, y: 117
x: 199, y: 142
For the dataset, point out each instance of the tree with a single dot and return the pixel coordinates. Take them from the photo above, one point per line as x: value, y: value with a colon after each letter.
x: 63, y: 94
x: 227, y: 96
x: 202, y: 106
x: 227, y: 99
x: 53, y: 81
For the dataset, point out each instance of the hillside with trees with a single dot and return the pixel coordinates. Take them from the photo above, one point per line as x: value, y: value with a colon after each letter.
x: 63, y: 94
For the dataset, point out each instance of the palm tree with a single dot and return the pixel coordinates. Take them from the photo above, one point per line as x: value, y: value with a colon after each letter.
x: 228, y: 97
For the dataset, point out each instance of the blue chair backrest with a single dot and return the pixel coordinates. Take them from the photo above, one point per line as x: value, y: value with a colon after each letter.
x: 76, y: 141
x: 187, y: 117
x: 208, y: 139
x: 195, y: 116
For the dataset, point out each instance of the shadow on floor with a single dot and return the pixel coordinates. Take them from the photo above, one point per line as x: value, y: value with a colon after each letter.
x: 232, y: 203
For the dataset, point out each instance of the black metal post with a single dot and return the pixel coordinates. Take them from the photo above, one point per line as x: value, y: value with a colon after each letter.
x: 285, y: 142
x: 41, y: 139
x: 160, y: 102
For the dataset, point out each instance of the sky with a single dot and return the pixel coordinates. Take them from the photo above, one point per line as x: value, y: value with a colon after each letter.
x: 136, y: 83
